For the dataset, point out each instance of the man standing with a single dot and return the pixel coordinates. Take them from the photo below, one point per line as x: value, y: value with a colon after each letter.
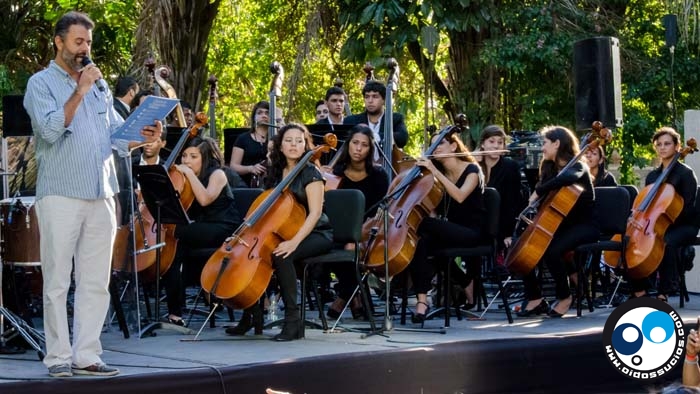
x: 335, y: 103
x: 374, y: 94
x: 125, y: 90
x: 73, y: 120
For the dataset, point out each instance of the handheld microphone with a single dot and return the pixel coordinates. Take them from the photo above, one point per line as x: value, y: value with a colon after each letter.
x: 100, y: 85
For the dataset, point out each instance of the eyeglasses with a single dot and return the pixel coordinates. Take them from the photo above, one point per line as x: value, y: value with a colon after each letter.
x: 321, y: 111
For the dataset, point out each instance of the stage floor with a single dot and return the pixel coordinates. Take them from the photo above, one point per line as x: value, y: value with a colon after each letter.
x: 531, y: 355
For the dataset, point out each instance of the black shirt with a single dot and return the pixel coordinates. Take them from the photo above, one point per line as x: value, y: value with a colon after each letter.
x: 505, y: 177
x: 683, y: 180
x: 221, y: 210
x: 254, y: 152
x: 298, y: 188
x: 470, y: 212
x: 374, y: 186
x: 582, y: 211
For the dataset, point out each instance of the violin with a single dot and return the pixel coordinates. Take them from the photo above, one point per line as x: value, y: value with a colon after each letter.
x: 240, y: 270
x: 413, y: 195
x: 655, y: 208
x: 530, y: 246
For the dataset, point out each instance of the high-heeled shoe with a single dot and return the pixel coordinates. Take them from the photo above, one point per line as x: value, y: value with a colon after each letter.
x: 554, y: 313
x: 541, y: 308
x: 291, y: 330
x: 252, y: 318
x: 419, y: 318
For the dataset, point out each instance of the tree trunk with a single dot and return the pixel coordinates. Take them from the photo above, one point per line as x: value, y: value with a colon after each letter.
x: 177, y: 31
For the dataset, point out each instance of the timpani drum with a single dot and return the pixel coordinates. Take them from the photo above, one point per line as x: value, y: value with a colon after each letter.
x: 20, y: 232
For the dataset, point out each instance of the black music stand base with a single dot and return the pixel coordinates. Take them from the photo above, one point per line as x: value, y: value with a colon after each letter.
x: 151, y: 327
x: 32, y: 336
x: 388, y: 324
x: 160, y: 197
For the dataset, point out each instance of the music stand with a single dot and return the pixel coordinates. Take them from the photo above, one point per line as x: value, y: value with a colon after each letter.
x: 162, y: 199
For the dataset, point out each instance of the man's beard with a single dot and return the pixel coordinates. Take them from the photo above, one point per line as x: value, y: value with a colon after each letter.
x: 70, y: 59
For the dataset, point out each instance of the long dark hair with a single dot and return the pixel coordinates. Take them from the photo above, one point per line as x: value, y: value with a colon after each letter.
x: 461, y: 148
x: 601, y: 166
x: 211, y: 155
x: 488, y: 132
x: 277, y: 159
x: 568, y: 149
x: 344, y: 158
x: 258, y: 105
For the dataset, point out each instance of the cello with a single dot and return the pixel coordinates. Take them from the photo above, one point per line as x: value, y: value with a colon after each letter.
x: 144, y: 225
x: 413, y: 195
x: 240, y: 270
x: 551, y: 210
x: 655, y: 208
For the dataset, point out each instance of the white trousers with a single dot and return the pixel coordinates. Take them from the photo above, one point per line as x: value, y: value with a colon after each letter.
x: 82, y: 230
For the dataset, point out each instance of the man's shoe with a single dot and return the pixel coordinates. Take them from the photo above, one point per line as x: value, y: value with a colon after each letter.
x: 96, y: 370
x: 60, y: 371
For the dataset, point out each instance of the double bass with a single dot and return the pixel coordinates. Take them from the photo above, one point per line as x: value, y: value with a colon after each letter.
x: 655, y: 208
x: 413, y: 195
x: 240, y: 270
x: 551, y: 209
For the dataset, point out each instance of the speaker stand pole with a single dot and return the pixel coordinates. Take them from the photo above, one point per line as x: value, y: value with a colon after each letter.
x: 4, y: 162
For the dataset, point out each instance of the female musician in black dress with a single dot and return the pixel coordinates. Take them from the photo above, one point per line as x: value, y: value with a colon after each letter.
x: 596, y: 163
x: 462, y: 210
x: 357, y: 171
x: 313, y: 238
x: 667, y: 142
x: 249, y: 151
x: 560, y: 146
x: 503, y: 174
x: 213, y: 213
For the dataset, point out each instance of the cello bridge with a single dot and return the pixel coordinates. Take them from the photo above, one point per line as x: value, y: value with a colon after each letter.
x: 240, y: 240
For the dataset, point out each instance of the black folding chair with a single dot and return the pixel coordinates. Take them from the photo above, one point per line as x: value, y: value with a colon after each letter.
x: 345, y: 210
x: 611, y: 210
x: 487, y: 250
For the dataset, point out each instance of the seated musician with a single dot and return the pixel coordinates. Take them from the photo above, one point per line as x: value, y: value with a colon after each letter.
x: 357, y: 171
x: 667, y: 142
x: 596, y: 164
x: 560, y: 146
x: 503, y: 174
x: 213, y: 213
x: 463, y: 215
x: 313, y: 238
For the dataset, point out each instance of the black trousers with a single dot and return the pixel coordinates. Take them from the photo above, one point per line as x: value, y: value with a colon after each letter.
x: 196, y: 235
x: 668, y: 271
x: 313, y: 245
x: 437, y: 234
x: 564, y: 240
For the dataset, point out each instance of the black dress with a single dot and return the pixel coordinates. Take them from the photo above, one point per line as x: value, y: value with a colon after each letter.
x: 254, y: 152
x: 463, y: 227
